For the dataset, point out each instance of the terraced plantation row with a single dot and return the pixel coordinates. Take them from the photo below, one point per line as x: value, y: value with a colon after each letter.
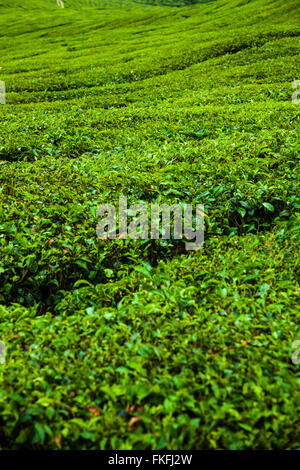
x: 164, y: 105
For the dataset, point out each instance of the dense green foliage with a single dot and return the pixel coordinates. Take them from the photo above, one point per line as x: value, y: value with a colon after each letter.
x: 162, y: 104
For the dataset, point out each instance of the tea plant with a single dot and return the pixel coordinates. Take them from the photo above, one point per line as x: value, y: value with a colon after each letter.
x: 129, y: 344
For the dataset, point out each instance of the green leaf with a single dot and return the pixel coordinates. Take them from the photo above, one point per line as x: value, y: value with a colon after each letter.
x: 268, y: 206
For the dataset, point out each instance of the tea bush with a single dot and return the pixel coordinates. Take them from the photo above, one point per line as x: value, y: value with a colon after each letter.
x: 163, y: 105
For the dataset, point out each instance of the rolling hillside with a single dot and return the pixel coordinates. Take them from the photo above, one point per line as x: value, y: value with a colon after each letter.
x: 139, y: 344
